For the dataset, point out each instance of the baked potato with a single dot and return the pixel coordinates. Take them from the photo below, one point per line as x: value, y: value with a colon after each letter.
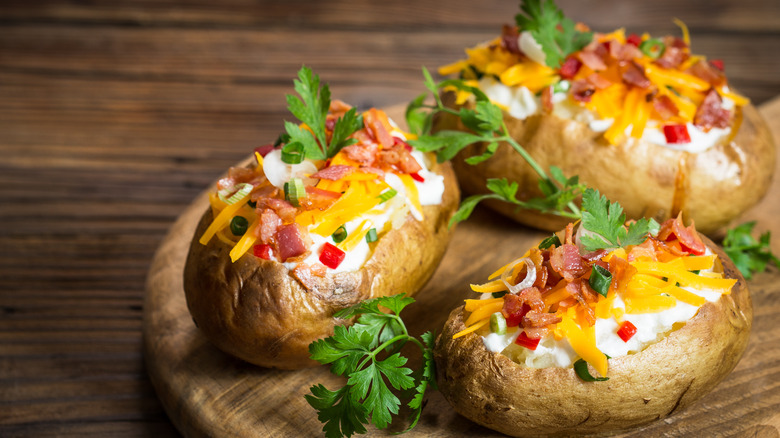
x: 652, y: 371
x: 642, y: 119
x: 319, y: 236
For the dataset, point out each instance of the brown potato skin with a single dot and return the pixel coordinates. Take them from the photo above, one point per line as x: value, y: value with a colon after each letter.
x: 492, y: 390
x: 719, y: 183
x: 256, y: 310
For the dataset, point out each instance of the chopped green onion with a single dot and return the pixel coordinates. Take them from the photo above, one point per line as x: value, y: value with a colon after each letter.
x: 581, y: 368
x: 498, y: 294
x: 498, y: 323
x: 696, y: 271
x: 561, y: 87
x: 292, y: 153
x: 239, y: 225
x: 371, y: 235
x: 653, y: 48
x: 252, y: 204
x: 243, y: 190
x: 340, y: 234
x: 600, y: 278
x: 294, y: 190
x: 550, y: 241
x: 387, y: 194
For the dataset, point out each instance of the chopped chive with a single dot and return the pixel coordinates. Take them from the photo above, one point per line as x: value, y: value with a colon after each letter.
x: 498, y: 294
x: 294, y: 190
x: 600, y: 278
x: 498, y: 323
x: 387, y: 194
x: 371, y: 235
x: 292, y: 153
x: 239, y: 225
x: 653, y: 48
x: 340, y: 234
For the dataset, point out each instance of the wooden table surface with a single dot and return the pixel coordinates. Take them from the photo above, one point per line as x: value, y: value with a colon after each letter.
x: 115, y: 114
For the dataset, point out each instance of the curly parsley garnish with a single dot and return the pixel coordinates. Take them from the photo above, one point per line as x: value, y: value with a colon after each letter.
x: 749, y: 255
x: 486, y: 125
x: 367, y: 354
x: 312, y: 108
x: 557, y: 34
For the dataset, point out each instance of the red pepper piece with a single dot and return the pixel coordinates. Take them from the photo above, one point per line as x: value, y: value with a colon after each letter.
x: 524, y: 341
x: 717, y: 63
x: 416, y: 176
x: 677, y: 133
x: 570, y: 67
x: 263, y: 251
x: 634, y: 40
x: 626, y: 331
x: 331, y: 256
x: 513, y: 315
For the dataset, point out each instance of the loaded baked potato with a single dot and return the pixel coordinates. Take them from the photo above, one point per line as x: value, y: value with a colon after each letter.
x: 642, y: 119
x: 571, y: 340
x: 290, y: 240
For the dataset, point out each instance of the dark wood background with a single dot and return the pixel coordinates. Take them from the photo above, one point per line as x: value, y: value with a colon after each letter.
x: 115, y: 114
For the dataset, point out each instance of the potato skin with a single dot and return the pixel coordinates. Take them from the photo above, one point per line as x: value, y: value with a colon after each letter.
x: 256, y: 310
x: 490, y: 389
x: 718, y: 184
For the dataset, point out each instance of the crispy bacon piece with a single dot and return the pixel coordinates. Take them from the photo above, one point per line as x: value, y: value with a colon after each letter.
x: 536, y: 319
x: 239, y: 175
x: 676, y: 53
x: 547, y: 102
x: 598, y: 81
x: 622, y: 271
x: 376, y: 124
x: 284, y: 209
x: 673, y: 229
x: 516, y: 306
x: 711, y: 113
x: 567, y: 262
x: 291, y: 241
x: 334, y: 173
x: 706, y: 71
x: 582, y: 90
x: 509, y: 36
x: 364, y: 151
x: 634, y: 75
x: 309, y: 275
x: 398, y: 156
x: 338, y: 107
x: 595, y: 255
x: 269, y: 223
x: 593, y: 60
x: 665, y: 107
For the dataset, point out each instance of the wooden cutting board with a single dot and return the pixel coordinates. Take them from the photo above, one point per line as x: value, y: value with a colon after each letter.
x: 207, y: 393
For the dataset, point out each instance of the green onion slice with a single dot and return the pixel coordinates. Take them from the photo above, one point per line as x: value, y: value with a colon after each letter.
x: 561, y: 87
x: 340, y: 234
x: 371, y: 235
x: 292, y: 153
x: 550, y: 241
x: 581, y: 368
x: 600, y: 278
x: 387, y: 194
x: 294, y: 190
x: 239, y: 225
x: 243, y: 190
x: 498, y: 323
x: 653, y: 48
x: 498, y: 294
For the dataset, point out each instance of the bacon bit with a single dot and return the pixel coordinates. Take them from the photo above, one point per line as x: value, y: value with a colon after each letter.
x: 592, y: 60
x: 269, y: 223
x: 595, y: 255
x: 536, y: 332
x: 509, y: 36
x: 338, y: 107
x: 306, y: 275
x: 622, y: 271
x: 364, y: 151
x: 672, y: 57
x: 398, y: 142
x: 711, y: 113
x: 566, y: 261
x: 291, y: 241
x: 582, y: 90
x: 598, y: 81
x: 706, y: 71
x: 378, y: 127
x: 537, y: 319
x: 334, y: 173
x: 665, y: 107
x: 284, y: 209
x: 644, y: 251
x: 514, y: 310
x: 634, y: 75
x: 374, y: 170
x: 718, y: 63
x: 689, y: 239
x: 570, y: 67
x: 547, y: 102
x: 398, y: 157
x: 627, y: 52
x: 532, y: 297
x: 569, y: 234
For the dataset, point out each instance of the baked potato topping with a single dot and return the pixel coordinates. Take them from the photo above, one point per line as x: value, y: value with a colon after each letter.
x: 561, y: 302
x: 623, y: 86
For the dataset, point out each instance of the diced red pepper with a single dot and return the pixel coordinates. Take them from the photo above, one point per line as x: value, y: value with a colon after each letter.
x: 416, y: 176
x: 717, y: 63
x: 331, y: 256
x: 514, y: 318
x: 634, y: 39
x: 570, y: 67
x: 263, y: 251
x: 626, y: 331
x: 524, y: 341
x: 677, y: 133
x: 264, y: 150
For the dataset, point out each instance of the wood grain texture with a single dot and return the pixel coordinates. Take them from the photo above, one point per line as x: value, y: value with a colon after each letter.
x: 115, y: 115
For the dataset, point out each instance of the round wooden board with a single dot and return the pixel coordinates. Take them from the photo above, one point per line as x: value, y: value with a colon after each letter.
x: 208, y: 393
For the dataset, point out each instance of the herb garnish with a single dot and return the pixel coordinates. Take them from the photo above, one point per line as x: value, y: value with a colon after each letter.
x: 312, y: 109
x: 749, y: 255
x: 557, y: 34
x: 367, y: 354
x: 605, y: 220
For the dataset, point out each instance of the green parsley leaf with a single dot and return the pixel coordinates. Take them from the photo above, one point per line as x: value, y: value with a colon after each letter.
x: 748, y: 254
x: 552, y: 30
x: 312, y: 106
x: 606, y: 222
x: 367, y: 354
x: 343, y: 128
x: 296, y: 135
x: 418, y: 118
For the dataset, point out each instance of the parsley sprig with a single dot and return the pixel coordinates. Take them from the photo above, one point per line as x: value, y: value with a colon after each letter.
x: 368, y: 355
x: 312, y: 108
x: 749, y: 255
x: 605, y: 223
x: 486, y: 125
x: 557, y: 34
